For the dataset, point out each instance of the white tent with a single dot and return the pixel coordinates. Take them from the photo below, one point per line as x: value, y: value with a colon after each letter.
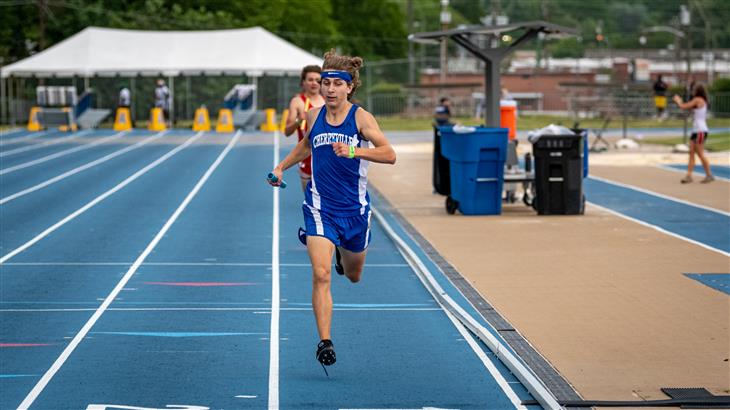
x: 111, y: 52
x: 107, y: 52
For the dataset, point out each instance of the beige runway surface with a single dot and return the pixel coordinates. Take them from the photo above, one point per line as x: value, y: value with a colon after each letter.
x: 603, y: 299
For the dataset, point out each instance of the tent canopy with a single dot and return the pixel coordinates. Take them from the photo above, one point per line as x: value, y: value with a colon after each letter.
x: 111, y: 52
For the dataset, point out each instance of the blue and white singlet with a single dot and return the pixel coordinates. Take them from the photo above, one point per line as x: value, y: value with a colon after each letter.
x: 339, y: 185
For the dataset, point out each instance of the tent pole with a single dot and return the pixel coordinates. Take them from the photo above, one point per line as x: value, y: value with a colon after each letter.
x: 188, y: 113
x: 11, y: 101
x: 132, y: 104
x: 86, y: 83
x: 2, y: 101
x: 255, y: 82
x: 171, y: 80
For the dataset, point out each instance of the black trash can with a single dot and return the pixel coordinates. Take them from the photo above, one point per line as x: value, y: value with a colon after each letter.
x: 441, y: 173
x: 559, y: 171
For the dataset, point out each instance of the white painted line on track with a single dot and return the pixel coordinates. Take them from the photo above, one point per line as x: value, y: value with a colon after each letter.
x: 274, y: 337
x: 660, y: 229
x: 38, y: 388
x: 11, y: 141
x: 9, y: 131
x: 223, y: 309
x: 100, y: 198
x: 684, y: 171
x: 658, y: 195
x: 370, y: 265
x: 449, y: 305
x: 60, y: 154
x: 498, y: 377
x: 420, y: 408
x: 59, y: 140
x: 79, y: 169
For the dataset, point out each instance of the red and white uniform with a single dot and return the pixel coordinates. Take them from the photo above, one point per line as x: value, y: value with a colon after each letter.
x: 305, y: 167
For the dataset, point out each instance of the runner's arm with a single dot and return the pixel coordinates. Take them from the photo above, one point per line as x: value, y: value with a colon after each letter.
x: 301, y: 151
x: 370, y: 130
x: 693, y: 103
x: 296, y: 106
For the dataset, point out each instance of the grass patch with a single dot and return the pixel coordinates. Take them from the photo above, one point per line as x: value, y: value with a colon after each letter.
x: 715, y: 143
x: 531, y: 122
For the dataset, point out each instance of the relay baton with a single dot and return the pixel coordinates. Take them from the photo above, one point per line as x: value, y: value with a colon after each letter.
x: 274, y: 179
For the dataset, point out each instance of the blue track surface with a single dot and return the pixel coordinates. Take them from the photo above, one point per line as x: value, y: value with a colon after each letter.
x: 692, y: 222
x: 717, y: 170
x: 717, y: 281
x: 192, y: 325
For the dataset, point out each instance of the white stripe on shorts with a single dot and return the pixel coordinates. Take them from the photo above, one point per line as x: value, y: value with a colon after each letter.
x: 367, y: 235
x: 317, y: 219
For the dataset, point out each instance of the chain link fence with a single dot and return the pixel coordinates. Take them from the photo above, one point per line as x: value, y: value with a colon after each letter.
x: 576, y: 106
x: 189, y: 93
x: 389, y: 88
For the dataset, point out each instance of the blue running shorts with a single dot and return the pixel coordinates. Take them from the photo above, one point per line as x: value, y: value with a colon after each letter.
x: 351, y: 232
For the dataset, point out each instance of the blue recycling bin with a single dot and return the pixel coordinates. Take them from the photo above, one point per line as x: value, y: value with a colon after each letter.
x: 476, y: 163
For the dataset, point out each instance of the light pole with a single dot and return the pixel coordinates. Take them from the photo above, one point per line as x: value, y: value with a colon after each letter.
x: 445, y: 20
x: 685, y: 21
x: 642, y: 41
x: 678, y: 34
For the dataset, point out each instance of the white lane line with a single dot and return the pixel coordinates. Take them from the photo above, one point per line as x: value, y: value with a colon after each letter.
x: 658, y: 195
x: 660, y: 229
x: 498, y: 377
x: 274, y: 337
x: 504, y: 354
x: 80, y: 168
x: 11, y: 141
x: 399, y: 408
x: 38, y: 388
x: 268, y: 264
x: 58, y: 140
x: 100, y: 198
x: 223, y: 309
x: 5, y: 133
x: 684, y: 171
x: 60, y: 154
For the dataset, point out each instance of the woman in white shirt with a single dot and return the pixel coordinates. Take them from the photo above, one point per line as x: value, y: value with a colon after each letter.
x: 698, y: 105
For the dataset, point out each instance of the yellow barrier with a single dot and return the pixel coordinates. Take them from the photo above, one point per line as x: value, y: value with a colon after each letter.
x: 202, y: 120
x: 71, y: 122
x: 33, y: 123
x: 123, y: 119
x: 157, y: 120
x: 270, y: 124
x: 282, y: 123
x: 225, y: 121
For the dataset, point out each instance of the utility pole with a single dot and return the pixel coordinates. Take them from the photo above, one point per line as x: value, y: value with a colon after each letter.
x: 496, y: 10
x: 42, y: 15
x: 445, y: 20
x: 685, y: 20
x: 545, y: 12
x: 707, y: 55
x: 411, y: 58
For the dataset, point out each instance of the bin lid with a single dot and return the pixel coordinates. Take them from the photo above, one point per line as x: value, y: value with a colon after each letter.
x: 463, y: 129
x: 552, y: 130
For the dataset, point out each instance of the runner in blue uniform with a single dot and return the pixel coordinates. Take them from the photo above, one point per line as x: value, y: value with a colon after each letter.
x: 342, y: 139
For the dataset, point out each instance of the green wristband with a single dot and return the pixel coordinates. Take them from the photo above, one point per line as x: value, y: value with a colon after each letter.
x: 352, y: 152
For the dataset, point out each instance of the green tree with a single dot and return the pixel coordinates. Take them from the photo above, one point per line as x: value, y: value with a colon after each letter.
x: 371, y: 29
